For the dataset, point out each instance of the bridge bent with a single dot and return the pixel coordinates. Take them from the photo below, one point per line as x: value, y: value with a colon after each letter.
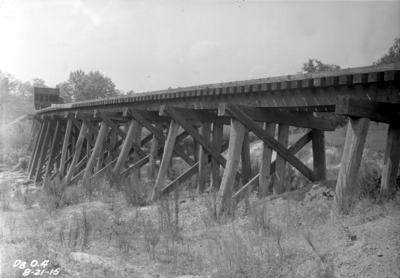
x: 84, y: 140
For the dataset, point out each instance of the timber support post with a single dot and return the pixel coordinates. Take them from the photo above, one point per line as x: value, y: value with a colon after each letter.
x: 205, y: 131
x: 217, y: 143
x: 152, y: 170
x: 318, y: 150
x: 353, y: 149
x: 245, y: 158
x: 166, y: 158
x: 280, y: 168
x: 266, y: 161
x: 391, y: 161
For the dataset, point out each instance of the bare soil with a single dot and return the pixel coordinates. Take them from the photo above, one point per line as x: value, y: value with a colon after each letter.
x: 296, y: 238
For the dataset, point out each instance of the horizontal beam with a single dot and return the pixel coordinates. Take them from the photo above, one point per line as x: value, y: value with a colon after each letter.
x: 361, y: 108
x: 208, y: 115
x: 293, y: 118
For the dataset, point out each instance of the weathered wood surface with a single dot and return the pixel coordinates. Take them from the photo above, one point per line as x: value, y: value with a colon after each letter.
x: 152, y: 170
x: 96, y: 152
x: 254, y: 182
x: 266, y: 161
x: 391, y: 161
x: 78, y: 148
x: 217, y: 142
x: 245, y: 158
x: 128, y: 140
x: 205, y: 132
x: 65, y: 147
x: 137, y: 156
x: 34, y: 134
x: 196, y: 136
x: 235, y: 146
x: 36, y: 150
x: 167, y: 155
x: 299, y: 90
x: 319, y: 160
x: 158, y: 134
x: 280, y: 185
x: 292, y: 118
x: 268, y: 139
x: 54, y: 148
x: 43, y: 151
x: 361, y: 108
x: 189, y: 173
x: 353, y: 149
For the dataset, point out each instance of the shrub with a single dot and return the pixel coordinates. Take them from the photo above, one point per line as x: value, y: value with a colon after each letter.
x: 5, y: 191
x: 168, y: 213
x: 47, y: 202
x: 55, y: 190
x: 135, y: 191
x: 73, y: 195
x: 151, y: 238
x: 23, y: 162
x: 35, y: 220
x: 76, y: 235
x: 368, y: 181
x: 260, y: 222
x: 29, y: 199
x: 11, y: 157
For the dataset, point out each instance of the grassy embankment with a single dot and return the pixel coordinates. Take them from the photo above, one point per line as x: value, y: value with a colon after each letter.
x: 103, y: 231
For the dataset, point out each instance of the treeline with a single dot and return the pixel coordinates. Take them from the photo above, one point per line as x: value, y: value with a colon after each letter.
x: 80, y: 86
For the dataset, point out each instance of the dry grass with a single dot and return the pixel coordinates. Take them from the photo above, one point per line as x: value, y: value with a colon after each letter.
x: 107, y: 229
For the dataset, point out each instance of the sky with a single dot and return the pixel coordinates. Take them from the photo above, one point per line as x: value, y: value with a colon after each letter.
x: 153, y: 45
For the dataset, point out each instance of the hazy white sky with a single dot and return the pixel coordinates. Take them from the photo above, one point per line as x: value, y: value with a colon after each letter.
x: 152, y: 45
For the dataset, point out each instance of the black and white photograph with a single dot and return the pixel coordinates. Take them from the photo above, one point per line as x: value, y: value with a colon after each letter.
x: 199, y: 138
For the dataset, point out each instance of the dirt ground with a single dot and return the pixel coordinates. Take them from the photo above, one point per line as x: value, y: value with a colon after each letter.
x: 295, y: 238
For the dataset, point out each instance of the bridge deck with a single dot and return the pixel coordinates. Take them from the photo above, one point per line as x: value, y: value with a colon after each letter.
x: 309, y: 92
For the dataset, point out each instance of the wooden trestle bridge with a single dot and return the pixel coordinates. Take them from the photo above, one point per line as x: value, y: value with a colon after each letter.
x: 111, y: 130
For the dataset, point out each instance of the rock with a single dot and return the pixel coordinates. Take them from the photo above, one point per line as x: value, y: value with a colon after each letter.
x: 379, y: 254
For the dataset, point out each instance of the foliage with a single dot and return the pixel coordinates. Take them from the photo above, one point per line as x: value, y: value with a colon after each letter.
x: 151, y: 237
x: 135, y: 191
x: 5, y: 191
x: 86, y: 86
x: 392, y: 56
x: 315, y: 65
x: 12, y: 87
x: 74, y: 195
x: 76, y: 235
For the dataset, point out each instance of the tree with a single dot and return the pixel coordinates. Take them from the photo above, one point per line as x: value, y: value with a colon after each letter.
x: 94, y: 85
x: 65, y: 91
x: 77, y: 83
x: 393, y: 55
x: 130, y: 93
x: 314, y: 65
x: 99, y: 86
x: 38, y: 82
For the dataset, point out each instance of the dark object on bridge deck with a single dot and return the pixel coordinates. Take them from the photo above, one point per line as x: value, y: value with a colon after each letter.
x: 45, y: 97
